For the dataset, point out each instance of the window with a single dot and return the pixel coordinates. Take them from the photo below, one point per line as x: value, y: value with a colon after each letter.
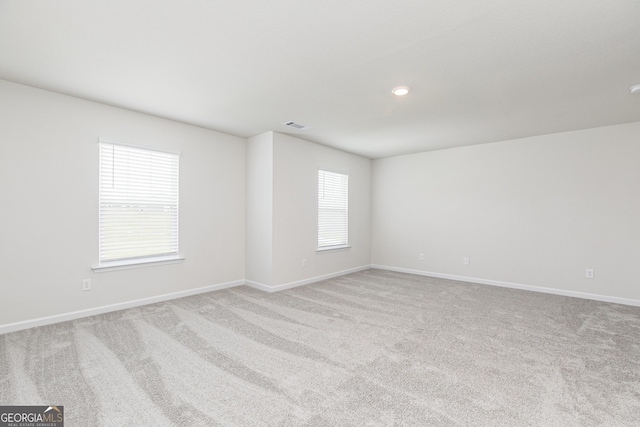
x: 138, y: 214
x: 333, y: 210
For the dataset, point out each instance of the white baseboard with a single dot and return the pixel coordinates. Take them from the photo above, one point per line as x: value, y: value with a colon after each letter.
x: 12, y: 327
x: 276, y: 288
x: 583, y: 295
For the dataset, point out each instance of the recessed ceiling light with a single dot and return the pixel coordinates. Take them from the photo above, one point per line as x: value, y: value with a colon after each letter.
x: 401, y: 90
x: 635, y: 89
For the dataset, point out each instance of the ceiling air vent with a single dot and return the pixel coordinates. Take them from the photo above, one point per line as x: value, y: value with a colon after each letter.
x: 297, y: 126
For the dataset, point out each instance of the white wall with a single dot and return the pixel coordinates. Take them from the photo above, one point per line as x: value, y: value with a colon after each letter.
x: 259, y: 209
x: 535, y: 211
x: 49, y: 201
x: 295, y: 210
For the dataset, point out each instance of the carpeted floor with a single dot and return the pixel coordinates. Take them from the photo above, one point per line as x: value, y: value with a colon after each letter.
x: 369, y: 348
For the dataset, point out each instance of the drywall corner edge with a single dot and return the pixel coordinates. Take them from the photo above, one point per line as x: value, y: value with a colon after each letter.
x: 50, y: 320
x: 290, y: 285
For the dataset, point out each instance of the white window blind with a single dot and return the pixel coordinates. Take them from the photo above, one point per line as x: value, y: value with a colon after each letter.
x: 138, y: 216
x: 333, y: 209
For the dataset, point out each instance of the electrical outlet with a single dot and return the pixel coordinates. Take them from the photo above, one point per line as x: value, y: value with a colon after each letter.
x: 590, y: 274
x: 421, y: 257
x: 465, y: 260
x: 86, y: 284
x: 304, y: 262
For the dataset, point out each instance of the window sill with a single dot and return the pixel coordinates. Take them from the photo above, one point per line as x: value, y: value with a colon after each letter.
x: 333, y: 248
x: 138, y: 263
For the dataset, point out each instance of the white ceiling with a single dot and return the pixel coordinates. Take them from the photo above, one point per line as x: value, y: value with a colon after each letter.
x: 481, y: 71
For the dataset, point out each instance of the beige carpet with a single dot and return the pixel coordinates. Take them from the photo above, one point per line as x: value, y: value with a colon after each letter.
x: 369, y: 348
